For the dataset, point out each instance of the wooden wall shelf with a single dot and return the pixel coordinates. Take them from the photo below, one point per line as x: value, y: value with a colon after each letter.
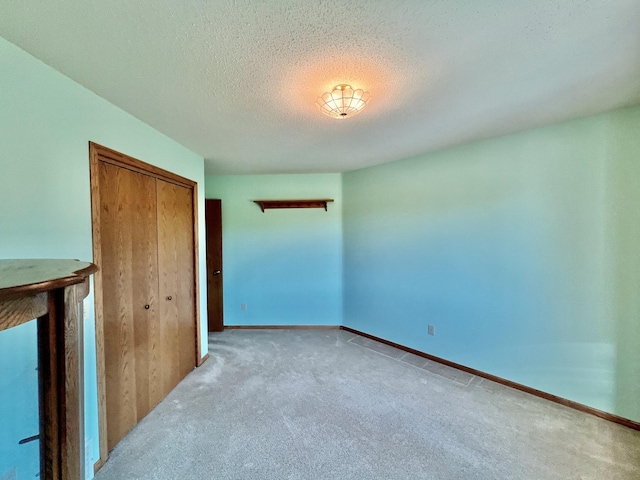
x: 313, y: 203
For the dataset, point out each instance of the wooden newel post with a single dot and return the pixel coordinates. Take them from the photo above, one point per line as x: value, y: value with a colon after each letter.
x: 51, y: 291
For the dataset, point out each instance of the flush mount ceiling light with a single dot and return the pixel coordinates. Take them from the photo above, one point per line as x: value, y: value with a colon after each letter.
x: 343, y: 101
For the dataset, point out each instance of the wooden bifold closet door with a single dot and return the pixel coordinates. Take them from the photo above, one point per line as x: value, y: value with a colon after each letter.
x: 175, y: 243
x: 147, y: 289
x: 129, y: 270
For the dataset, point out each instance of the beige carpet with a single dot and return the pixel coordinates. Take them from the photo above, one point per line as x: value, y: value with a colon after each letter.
x: 327, y: 404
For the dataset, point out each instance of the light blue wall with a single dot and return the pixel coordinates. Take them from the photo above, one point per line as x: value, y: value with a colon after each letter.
x: 46, y: 122
x: 19, y: 402
x: 285, y: 265
x: 522, y: 251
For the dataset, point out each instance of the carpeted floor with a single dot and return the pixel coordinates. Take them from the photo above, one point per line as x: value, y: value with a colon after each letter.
x: 327, y: 404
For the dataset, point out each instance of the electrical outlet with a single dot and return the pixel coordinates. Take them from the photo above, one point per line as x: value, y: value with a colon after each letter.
x: 243, y: 306
x: 431, y: 330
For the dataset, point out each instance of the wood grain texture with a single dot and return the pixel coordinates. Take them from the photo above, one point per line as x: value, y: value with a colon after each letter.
x: 51, y: 291
x: 215, y: 273
x: 168, y: 285
x: 61, y: 386
x: 72, y: 412
x: 48, y: 396
x: 125, y: 161
x: 144, y: 271
x: 117, y: 288
x: 22, y: 277
x: 176, y: 266
x: 83, y: 289
x: 129, y: 285
x: 151, y: 359
x: 312, y: 203
x: 94, y: 175
x: 186, y: 298
x: 538, y: 393
x: 21, y: 310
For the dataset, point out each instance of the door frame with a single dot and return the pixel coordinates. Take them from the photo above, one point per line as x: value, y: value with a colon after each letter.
x: 99, y: 153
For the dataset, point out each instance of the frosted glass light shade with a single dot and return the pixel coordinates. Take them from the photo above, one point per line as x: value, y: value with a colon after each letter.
x: 343, y: 101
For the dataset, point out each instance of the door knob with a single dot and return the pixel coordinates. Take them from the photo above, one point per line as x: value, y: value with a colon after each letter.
x: 217, y: 272
x: 146, y: 307
x: 169, y: 297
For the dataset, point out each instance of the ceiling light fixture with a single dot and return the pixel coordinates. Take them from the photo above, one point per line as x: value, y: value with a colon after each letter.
x: 343, y: 101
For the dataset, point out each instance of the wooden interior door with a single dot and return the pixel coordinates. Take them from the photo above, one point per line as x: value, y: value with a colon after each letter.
x: 129, y: 288
x: 213, y: 216
x: 176, y: 288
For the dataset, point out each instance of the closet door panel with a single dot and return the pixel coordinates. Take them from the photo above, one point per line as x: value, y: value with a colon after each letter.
x: 175, y: 262
x: 167, y: 286
x: 129, y: 272
x: 186, y: 293
x: 145, y: 292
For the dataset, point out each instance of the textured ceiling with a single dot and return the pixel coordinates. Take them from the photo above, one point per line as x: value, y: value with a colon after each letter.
x: 236, y: 80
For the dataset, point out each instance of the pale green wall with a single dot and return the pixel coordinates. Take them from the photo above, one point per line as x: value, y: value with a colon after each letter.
x: 521, y: 250
x: 285, y: 265
x: 624, y: 229
x: 46, y: 122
